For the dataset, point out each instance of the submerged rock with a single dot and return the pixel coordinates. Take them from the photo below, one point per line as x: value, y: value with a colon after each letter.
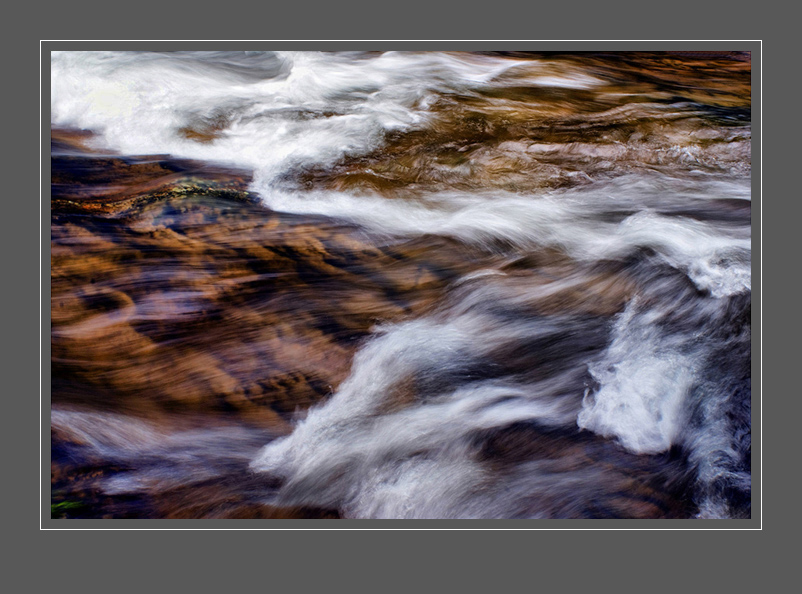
x: 101, y: 183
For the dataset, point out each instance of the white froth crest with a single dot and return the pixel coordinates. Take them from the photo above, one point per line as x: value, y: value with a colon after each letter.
x: 576, y: 221
x: 139, y: 104
x: 644, y: 382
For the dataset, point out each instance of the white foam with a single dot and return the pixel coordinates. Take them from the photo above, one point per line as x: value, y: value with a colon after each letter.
x: 361, y: 454
x: 139, y: 103
x: 644, y: 382
x: 576, y: 221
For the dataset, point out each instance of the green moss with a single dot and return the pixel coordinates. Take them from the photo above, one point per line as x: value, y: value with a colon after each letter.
x: 63, y: 509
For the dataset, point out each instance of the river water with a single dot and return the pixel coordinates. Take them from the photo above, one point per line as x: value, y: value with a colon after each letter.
x: 401, y: 285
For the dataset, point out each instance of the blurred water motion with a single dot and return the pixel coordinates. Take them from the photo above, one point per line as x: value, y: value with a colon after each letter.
x: 401, y: 285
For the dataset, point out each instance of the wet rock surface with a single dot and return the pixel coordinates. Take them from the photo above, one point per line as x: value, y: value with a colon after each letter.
x: 112, y: 185
x: 174, y: 303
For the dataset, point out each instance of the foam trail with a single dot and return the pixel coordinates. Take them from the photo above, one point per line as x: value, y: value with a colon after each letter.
x: 588, y: 225
x: 398, y: 437
x: 373, y: 452
x: 153, y: 457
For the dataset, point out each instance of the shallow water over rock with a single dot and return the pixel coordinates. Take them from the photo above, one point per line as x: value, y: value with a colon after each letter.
x: 401, y: 285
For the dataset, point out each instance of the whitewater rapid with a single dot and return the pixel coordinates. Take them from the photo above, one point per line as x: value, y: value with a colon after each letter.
x: 665, y: 369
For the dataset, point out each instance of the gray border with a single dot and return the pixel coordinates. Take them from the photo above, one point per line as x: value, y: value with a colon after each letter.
x: 754, y: 523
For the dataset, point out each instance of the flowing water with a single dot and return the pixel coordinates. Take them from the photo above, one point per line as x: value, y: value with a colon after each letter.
x: 401, y: 285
